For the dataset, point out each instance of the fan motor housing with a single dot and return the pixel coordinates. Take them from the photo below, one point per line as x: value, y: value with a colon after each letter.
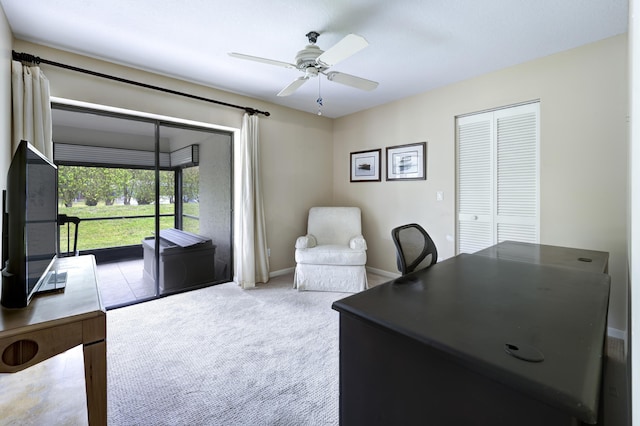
x: 307, y: 57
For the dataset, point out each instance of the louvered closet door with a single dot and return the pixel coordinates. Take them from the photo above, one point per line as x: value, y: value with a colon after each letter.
x: 475, y: 183
x: 497, y: 177
x: 517, y: 174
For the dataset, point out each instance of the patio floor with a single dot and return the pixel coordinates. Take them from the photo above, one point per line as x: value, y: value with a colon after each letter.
x: 123, y: 283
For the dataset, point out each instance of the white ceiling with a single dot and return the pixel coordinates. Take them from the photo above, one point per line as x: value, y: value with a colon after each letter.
x: 414, y: 45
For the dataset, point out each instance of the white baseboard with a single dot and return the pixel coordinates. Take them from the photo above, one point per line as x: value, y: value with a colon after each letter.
x: 273, y: 274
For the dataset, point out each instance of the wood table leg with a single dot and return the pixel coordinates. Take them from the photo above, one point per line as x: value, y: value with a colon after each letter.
x: 95, y: 374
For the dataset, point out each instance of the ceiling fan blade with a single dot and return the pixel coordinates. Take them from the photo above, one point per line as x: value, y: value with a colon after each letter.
x: 293, y: 86
x: 351, y: 80
x: 346, y: 47
x: 263, y: 60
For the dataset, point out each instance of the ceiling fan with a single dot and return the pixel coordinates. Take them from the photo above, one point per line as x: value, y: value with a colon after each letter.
x: 313, y: 61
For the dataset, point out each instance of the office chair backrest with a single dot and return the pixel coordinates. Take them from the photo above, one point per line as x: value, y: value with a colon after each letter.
x: 415, y: 248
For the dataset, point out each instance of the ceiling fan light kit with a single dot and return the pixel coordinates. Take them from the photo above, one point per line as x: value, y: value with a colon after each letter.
x: 313, y: 61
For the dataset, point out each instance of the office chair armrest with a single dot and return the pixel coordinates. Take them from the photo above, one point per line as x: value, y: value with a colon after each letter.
x: 358, y: 243
x: 307, y: 241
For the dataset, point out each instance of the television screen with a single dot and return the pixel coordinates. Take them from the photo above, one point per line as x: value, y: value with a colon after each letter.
x: 30, y: 231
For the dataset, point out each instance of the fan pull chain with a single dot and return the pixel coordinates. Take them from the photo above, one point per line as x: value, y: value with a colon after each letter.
x: 319, y: 100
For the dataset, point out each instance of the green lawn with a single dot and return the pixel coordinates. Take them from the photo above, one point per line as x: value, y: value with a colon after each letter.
x: 121, y: 232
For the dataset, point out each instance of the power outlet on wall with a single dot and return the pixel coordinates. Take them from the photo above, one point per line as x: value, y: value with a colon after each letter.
x: 268, y: 252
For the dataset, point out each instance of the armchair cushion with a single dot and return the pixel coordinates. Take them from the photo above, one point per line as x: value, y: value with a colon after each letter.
x: 331, y: 254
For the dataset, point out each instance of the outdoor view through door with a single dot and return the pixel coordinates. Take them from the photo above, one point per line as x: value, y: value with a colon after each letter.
x: 128, y: 180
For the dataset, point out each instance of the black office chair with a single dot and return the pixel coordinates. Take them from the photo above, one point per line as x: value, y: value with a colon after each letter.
x: 415, y: 248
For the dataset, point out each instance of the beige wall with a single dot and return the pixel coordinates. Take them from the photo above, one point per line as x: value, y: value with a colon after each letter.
x: 583, y: 156
x: 296, y: 147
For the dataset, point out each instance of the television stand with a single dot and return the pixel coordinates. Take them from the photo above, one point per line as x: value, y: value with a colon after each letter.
x: 56, y: 322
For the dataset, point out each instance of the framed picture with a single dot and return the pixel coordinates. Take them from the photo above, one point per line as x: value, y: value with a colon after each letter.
x: 407, y: 162
x: 365, y: 166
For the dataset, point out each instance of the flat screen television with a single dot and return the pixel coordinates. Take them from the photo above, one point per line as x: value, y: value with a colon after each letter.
x: 30, y: 228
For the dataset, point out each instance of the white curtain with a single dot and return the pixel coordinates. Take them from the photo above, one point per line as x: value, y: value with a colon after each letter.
x: 31, y: 108
x: 252, y: 261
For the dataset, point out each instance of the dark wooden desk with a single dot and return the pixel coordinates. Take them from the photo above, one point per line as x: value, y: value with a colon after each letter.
x: 587, y: 260
x: 56, y: 322
x: 430, y: 347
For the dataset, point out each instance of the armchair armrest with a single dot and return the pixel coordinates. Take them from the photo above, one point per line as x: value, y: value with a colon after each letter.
x: 358, y: 243
x: 306, y: 241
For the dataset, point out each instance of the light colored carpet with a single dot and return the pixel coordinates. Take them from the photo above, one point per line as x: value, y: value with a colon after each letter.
x: 224, y: 356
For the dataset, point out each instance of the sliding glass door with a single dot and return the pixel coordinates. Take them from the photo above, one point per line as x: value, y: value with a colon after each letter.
x: 129, y: 180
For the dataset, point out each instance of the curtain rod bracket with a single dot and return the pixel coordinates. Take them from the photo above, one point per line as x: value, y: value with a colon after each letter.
x: 25, y: 57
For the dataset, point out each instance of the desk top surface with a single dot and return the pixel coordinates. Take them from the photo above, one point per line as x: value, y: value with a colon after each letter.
x: 587, y: 260
x: 79, y: 300
x: 471, y: 306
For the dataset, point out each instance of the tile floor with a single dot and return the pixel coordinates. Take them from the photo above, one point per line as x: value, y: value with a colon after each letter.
x: 123, y: 282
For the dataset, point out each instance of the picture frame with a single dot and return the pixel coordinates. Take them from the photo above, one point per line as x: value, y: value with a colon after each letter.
x: 407, y: 162
x: 365, y: 166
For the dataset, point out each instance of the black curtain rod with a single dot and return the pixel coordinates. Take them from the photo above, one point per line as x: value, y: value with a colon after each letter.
x: 25, y: 57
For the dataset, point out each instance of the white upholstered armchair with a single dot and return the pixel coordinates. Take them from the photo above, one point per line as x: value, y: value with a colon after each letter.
x: 332, y: 256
